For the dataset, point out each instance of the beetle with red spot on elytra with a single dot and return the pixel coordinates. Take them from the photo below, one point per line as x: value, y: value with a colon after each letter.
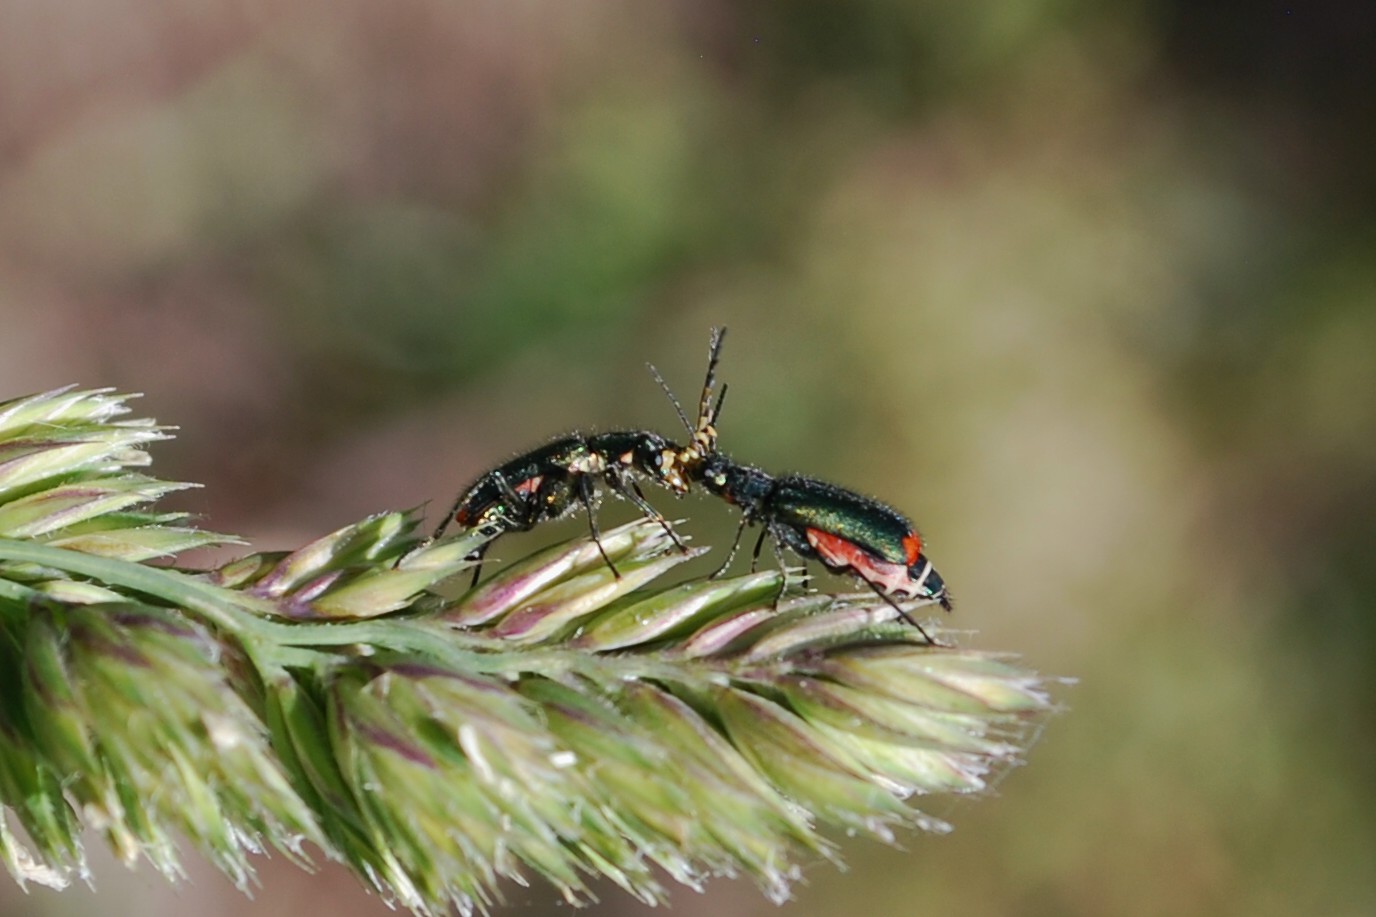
x: 847, y: 532
x: 549, y: 482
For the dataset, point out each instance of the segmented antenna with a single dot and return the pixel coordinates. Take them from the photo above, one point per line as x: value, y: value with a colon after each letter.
x: 707, y: 414
x: 670, y: 392
x: 716, y: 411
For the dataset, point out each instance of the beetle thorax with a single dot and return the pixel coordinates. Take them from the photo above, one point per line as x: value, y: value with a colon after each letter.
x: 740, y: 484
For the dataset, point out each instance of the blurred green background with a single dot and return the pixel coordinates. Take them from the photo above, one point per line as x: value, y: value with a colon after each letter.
x: 1089, y: 290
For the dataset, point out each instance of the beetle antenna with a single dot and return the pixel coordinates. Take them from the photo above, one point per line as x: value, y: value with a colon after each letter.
x: 716, y: 411
x: 678, y: 408
x: 705, y: 414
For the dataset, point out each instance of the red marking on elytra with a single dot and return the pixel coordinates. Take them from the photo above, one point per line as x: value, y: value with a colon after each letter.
x: 912, y: 547
x: 840, y: 554
x: 529, y: 486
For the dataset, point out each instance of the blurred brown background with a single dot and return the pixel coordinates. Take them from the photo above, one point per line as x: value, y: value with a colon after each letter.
x: 1089, y: 290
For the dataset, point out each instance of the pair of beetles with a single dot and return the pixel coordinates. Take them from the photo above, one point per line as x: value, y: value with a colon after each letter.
x: 846, y: 532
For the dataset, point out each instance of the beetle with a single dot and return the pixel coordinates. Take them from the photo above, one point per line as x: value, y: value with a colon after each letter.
x: 846, y: 531
x: 549, y: 482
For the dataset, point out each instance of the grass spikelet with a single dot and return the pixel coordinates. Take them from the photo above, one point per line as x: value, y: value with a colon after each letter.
x: 559, y: 723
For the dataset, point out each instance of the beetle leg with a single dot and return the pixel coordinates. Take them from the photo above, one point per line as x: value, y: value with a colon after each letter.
x: 448, y: 518
x: 735, y: 546
x: 628, y: 488
x: 759, y: 543
x: 777, y: 542
x: 477, y: 558
x: 585, y: 494
x: 901, y: 613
